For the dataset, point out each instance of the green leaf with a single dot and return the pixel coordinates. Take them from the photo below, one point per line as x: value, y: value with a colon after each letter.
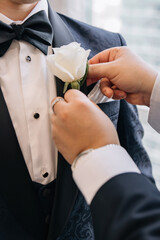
x: 78, y: 83
x: 82, y: 80
x: 65, y: 87
x: 75, y: 85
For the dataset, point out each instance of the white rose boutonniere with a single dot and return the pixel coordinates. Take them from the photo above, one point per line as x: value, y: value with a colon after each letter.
x: 70, y: 64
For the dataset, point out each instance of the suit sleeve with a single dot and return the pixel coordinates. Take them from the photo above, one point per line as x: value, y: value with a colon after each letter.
x: 122, y: 40
x: 127, y: 208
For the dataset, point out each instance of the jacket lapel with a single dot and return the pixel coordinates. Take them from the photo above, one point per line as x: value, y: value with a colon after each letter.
x: 15, y: 183
x: 66, y: 190
x: 62, y: 36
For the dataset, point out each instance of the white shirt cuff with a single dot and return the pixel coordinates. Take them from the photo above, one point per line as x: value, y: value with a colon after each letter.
x: 154, y: 112
x: 92, y: 170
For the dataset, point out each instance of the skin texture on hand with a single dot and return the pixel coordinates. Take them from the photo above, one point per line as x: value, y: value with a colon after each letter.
x: 123, y: 74
x: 78, y: 125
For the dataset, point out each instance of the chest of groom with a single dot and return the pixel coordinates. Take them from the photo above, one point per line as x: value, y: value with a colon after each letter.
x: 23, y: 204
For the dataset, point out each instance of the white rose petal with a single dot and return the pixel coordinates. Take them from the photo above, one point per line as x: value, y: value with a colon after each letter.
x: 58, y: 70
x: 68, y: 62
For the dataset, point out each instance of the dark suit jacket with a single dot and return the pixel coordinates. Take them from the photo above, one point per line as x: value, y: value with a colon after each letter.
x: 20, y: 211
x: 127, y: 208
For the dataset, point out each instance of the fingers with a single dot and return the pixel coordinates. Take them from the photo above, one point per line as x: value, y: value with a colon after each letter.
x: 101, y: 70
x: 105, y: 87
x: 73, y: 94
x: 105, y: 56
x: 103, y: 65
x: 60, y: 105
x: 111, y: 91
x: 90, y: 81
x: 100, y: 57
x: 57, y: 104
x: 118, y: 94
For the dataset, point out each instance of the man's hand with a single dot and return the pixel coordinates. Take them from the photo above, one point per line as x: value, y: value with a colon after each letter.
x: 78, y: 125
x: 123, y: 74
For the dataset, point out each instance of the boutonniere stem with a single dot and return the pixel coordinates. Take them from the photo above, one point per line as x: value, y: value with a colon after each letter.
x: 78, y: 83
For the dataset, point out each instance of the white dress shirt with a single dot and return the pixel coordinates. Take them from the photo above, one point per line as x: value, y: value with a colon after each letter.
x: 28, y: 89
x: 96, y: 167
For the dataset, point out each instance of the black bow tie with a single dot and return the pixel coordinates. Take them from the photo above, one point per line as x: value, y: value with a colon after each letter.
x: 36, y: 30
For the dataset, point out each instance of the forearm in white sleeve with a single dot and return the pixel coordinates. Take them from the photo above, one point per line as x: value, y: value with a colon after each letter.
x: 154, y: 112
x: 93, y: 169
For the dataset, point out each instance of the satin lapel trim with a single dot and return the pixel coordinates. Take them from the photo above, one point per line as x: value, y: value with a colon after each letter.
x: 15, y: 183
x: 66, y: 190
x: 62, y: 36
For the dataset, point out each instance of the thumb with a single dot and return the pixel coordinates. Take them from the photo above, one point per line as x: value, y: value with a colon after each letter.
x: 101, y: 70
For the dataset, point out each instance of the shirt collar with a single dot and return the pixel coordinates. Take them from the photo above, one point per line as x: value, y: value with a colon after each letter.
x: 41, y: 5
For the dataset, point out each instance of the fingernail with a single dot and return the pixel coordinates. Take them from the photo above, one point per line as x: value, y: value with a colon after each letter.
x: 122, y: 96
x: 105, y: 93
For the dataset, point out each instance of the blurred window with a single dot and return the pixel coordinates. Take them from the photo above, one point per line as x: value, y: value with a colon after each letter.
x: 78, y: 9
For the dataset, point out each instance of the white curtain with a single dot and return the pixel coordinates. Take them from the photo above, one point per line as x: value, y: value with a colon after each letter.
x: 78, y: 9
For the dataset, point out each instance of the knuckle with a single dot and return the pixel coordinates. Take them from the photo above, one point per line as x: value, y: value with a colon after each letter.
x: 81, y: 104
x: 125, y: 49
x: 63, y: 115
x: 94, y: 69
x: 67, y: 93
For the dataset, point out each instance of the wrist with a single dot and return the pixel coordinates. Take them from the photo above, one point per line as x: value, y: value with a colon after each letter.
x: 90, y: 151
x: 148, y: 87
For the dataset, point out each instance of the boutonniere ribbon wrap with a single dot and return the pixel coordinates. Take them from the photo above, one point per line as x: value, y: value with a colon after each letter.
x: 70, y: 64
